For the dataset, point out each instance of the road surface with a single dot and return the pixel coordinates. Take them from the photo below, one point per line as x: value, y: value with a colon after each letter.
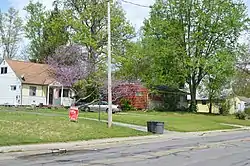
x: 227, y: 149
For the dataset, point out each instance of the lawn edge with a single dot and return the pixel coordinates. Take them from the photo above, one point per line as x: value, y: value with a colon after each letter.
x: 48, y: 148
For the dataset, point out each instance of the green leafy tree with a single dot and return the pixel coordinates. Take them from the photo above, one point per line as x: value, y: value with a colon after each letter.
x: 46, y: 30
x: 87, y: 21
x: 217, y: 83
x: 184, y: 38
x: 36, y: 20
x: 55, y: 32
x: 241, y: 83
x: 10, y: 32
x: 88, y: 24
x: 134, y: 65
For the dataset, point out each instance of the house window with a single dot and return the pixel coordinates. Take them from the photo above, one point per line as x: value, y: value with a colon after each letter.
x: 139, y: 94
x: 3, y: 70
x: 32, y: 91
x: 65, y: 92
x: 203, y: 102
x: 13, y: 87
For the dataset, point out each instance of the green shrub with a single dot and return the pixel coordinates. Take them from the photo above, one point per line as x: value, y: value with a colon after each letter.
x: 151, y: 110
x: 192, y: 108
x: 224, y: 108
x: 126, y: 105
x: 247, y: 111
x: 241, y: 115
x: 160, y: 109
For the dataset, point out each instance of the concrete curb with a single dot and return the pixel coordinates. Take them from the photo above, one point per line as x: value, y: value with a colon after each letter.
x: 36, y: 149
x: 49, y: 147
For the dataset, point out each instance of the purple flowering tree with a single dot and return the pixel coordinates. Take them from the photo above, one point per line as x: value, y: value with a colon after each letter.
x: 69, y: 64
x: 121, y: 89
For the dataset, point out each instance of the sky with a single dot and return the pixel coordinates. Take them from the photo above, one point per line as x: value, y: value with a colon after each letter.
x: 135, y: 14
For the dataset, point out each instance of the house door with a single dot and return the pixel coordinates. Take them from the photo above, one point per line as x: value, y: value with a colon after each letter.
x: 51, y: 96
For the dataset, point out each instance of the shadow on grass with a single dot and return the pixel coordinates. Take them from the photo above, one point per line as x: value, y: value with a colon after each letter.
x: 178, y: 112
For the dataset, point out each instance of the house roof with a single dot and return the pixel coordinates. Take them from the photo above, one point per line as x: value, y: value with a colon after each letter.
x: 31, y: 73
x: 245, y: 99
x: 168, y: 89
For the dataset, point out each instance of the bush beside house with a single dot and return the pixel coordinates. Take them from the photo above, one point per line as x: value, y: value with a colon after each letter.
x: 243, y: 115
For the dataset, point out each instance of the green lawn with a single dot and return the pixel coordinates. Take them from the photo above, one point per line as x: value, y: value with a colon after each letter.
x: 22, y: 128
x: 183, y: 122
x: 174, y: 121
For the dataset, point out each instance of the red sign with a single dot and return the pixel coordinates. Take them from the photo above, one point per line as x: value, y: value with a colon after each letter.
x: 73, y: 113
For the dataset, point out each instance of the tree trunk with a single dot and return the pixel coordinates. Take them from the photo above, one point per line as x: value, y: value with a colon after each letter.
x: 210, y: 105
x: 192, y: 106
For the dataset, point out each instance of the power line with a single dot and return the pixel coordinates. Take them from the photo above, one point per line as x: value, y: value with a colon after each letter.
x: 136, y: 4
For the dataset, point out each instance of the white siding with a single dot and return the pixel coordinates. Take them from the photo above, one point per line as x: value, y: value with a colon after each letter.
x: 29, y: 100
x: 7, y: 96
x: 67, y: 101
x: 41, y: 95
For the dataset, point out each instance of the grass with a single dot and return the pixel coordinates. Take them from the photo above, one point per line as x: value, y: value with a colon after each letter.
x: 22, y: 128
x: 174, y: 121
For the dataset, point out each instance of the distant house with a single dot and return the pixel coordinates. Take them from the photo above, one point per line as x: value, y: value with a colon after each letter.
x: 202, y: 103
x: 242, y: 103
x: 26, y: 83
x: 160, y: 97
x: 236, y: 103
x: 167, y: 98
x: 135, y: 93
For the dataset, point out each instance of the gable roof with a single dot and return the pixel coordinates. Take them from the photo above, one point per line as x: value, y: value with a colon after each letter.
x: 31, y: 73
x: 245, y: 99
x: 169, y: 89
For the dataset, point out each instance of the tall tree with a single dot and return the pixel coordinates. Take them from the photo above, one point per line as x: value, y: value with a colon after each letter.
x: 69, y: 64
x: 217, y: 83
x: 241, y: 83
x: 46, y: 30
x: 36, y: 20
x: 134, y: 65
x: 55, y: 32
x: 88, y: 22
x: 185, y: 37
x: 11, y: 32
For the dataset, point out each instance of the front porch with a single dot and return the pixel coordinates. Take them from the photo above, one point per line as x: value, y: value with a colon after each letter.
x: 58, y: 95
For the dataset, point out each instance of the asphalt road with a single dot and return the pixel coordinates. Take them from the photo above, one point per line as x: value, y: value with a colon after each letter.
x: 228, y: 149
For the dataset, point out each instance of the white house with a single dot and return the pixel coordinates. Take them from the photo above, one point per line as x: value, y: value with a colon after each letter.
x: 26, y: 83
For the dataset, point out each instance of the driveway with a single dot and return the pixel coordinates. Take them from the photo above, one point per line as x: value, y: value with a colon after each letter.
x: 225, y: 149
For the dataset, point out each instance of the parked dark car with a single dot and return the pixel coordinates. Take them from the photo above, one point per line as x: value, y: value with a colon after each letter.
x: 79, y: 103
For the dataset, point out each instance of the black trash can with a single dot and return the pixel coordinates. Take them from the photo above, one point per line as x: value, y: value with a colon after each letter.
x: 149, y: 126
x: 155, y: 127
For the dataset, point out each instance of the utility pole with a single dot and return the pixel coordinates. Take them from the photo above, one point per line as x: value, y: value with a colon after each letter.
x: 109, y: 70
